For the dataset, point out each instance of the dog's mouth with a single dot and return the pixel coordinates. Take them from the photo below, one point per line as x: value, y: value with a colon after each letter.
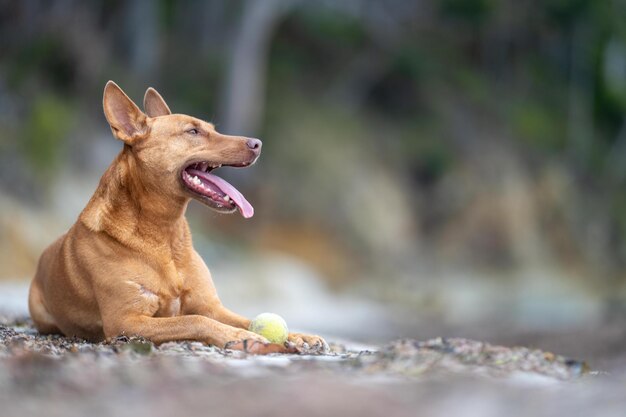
x: 214, y: 191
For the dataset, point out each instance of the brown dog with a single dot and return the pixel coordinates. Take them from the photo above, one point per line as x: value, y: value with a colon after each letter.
x: 127, y: 266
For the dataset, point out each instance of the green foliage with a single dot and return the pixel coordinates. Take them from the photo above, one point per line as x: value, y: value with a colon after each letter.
x: 46, y: 57
x: 45, y: 132
x: 617, y: 206
x: 430, y: 156
x: 610, y: 98
x: 313, y: 37
x: 327, y: 26
x: 565, y: 11
x: 471, y: 11
x: 344, y: 83
x: 167, y: 13
x: 473, y: 83
x: 539, y: 126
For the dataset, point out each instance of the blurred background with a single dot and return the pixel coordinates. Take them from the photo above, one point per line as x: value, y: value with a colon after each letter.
x: 429, y: 168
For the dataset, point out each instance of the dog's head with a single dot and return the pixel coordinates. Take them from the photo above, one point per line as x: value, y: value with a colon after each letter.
x: 176, y: 153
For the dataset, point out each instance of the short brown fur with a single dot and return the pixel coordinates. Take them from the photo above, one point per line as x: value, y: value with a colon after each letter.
x: 127, y: 266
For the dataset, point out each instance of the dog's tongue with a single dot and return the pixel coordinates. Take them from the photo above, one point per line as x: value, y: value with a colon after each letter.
x: 240, y: 201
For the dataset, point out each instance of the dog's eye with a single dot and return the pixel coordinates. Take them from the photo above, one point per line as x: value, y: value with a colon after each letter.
x: 193, y: 131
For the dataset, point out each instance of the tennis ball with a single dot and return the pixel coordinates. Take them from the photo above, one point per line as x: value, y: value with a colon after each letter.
x: 271, y: 326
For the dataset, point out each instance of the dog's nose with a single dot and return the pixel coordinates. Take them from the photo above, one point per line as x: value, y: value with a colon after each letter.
x: 255, y: 144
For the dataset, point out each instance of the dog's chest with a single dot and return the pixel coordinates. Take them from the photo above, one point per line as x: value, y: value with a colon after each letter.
x: 159, y: 303
x: 160, y: 300
x: 169, y: 306
x: 163, y: 297
x: 170, y: 294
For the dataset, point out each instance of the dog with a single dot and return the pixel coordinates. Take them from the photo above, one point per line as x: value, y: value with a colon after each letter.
x: 128, y: 266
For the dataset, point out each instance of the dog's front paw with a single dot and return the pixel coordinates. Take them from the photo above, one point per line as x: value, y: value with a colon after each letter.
x: 253, y: 343
x: 306, y: 343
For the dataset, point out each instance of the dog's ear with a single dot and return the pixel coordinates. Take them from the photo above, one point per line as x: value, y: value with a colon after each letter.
x: 154, y: 105
x: 127, y: 121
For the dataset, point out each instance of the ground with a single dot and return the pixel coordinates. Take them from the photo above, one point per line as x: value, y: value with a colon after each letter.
x: 54, y: 375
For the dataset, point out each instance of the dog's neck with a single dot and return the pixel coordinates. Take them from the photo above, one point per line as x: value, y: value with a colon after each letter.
x: 126, y: 207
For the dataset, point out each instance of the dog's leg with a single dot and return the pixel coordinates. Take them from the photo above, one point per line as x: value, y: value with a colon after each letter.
x: 164, y: 329
x: 198, y: 328
x: 44, y: 322
x: 216, y: 311
x: 128, y: 308
x: 308, y: 342
x: 206, y: 302
x: 202, y: 296
x: 302, y: 342
x: 224, y: 315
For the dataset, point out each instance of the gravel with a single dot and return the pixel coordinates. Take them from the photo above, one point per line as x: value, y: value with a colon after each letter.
x: 55, y: 375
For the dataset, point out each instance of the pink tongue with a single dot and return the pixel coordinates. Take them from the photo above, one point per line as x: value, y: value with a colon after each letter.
x: 244, y: 207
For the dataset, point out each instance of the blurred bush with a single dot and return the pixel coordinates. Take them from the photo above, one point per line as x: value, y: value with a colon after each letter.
x: 410, y: 136
x: 44, y: 135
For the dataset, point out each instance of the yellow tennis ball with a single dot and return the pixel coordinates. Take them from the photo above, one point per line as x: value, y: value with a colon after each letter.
x: 271, y: 326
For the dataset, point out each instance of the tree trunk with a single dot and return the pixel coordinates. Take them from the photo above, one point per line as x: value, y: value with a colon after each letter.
x: 245, y: 86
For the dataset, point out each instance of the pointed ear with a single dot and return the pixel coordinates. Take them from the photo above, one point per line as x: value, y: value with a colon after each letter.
x: 128, y: 123
x: 154, y: 105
